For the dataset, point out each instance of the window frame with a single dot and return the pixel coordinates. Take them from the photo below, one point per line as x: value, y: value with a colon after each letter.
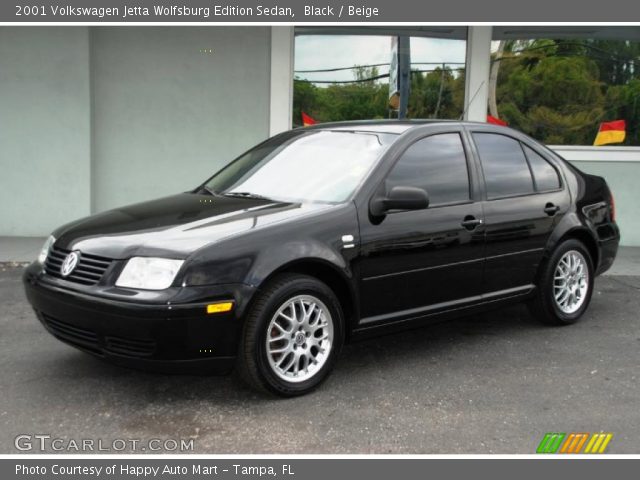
x: 468, y: 156
x: 472, y: 132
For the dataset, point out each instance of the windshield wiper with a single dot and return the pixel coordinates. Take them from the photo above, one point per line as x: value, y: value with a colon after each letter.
x: 245, y: 195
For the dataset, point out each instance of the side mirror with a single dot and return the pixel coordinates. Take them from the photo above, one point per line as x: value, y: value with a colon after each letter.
x: 399, y: 198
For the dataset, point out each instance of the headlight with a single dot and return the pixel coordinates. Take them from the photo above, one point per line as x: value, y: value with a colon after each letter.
x: 45, y: 249
x: 149, y: 273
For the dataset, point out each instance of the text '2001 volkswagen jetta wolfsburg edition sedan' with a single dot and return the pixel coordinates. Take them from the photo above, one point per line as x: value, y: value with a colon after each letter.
x: 324, y: 234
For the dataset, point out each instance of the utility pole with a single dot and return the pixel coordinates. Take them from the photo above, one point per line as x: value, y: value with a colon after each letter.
x: 435, y: 114
x: 400, y: 75
x: 405, y: 75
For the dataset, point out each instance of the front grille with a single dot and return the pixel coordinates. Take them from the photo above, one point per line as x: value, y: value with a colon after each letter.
x: 88, y: 271
x: 130, y: 347
x: 76, y: 336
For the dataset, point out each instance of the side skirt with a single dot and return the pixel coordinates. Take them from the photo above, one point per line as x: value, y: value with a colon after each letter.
x: 414, y: 318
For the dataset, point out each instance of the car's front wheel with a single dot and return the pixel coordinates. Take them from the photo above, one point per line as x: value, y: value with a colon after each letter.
x: 292, y: 336
x: 565, y: 285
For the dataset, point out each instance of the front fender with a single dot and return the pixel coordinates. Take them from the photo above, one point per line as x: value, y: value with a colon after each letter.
x: 283, y: 256
x: 250, y: 259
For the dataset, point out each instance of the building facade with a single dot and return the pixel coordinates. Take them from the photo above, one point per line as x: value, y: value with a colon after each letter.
x: 96, y: 117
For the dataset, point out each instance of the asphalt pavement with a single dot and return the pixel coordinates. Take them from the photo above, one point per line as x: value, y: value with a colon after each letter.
x: 491, y: 383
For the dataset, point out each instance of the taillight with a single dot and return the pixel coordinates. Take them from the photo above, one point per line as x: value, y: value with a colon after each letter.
x: 612, y: 207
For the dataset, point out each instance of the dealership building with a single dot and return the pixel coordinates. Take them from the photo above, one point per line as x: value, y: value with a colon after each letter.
x: 93, y: 118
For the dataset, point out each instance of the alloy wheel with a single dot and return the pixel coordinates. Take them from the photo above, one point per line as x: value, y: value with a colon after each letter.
x: 571, y: 282
x: 299, y: 338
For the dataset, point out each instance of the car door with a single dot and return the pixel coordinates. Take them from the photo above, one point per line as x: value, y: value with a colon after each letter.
x: 418, y: 262
x: 524, y: 200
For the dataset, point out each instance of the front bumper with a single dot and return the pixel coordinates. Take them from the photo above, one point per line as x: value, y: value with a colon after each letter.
x: 168, y: 337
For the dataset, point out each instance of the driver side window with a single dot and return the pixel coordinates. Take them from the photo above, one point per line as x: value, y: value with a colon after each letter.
x: 437, y: 164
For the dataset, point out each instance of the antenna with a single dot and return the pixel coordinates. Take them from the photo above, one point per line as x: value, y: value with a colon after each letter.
x: 466, y: 108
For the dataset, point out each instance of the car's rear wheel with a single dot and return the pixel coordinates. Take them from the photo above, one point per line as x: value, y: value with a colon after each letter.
x: 292, y: 336
x: 565, y: 285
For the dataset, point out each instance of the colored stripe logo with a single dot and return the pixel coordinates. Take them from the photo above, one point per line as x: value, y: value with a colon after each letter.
x: 555, y: 442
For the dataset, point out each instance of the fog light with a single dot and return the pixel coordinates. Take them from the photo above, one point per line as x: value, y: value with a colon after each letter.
x: 220, y: 307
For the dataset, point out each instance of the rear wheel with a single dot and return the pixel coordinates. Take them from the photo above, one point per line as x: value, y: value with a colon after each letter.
x: 565, y: 285
x: 292, y: 336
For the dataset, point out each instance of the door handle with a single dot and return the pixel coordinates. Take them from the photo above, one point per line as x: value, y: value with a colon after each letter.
x: 470, y: 222
x: 551, y: 209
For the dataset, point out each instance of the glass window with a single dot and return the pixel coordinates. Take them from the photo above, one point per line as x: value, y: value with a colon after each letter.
x: 544, y: 175
x: 437, y: 164
x: 314, y: 166
x: 560, y: 90
x: 346, y: 77
x: 505, y: 168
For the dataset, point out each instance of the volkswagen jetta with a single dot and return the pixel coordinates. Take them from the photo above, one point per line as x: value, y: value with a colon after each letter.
x: 322, y: 235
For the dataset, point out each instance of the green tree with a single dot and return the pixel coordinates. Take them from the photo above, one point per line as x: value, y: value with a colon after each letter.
x: 557, y: 99
x: 305, y: 99
x: 433, y: 94
x: 559, y: 91
x: 361, y: 100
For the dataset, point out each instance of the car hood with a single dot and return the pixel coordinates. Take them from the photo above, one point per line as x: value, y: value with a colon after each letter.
x: 174, y: 226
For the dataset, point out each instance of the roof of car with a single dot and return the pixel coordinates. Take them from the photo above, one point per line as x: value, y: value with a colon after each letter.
x: 383, y: 126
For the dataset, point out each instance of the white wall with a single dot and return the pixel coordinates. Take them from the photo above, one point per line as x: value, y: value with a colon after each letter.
x: 166, y: 115
x: 96, y: 117
x: 44, y: 128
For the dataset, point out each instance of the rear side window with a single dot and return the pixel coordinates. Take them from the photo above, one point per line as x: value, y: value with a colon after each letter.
x: 505, y: 168
x: 437, y: 164
x: 545, y: 176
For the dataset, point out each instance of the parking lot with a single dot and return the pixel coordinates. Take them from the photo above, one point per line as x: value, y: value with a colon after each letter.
x: 493, y: 383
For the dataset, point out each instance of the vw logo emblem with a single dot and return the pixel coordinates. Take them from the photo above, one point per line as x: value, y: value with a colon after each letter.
x: 69, y: 263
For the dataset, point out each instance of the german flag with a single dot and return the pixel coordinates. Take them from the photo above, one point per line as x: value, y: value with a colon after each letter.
x: 611, y: 132
x: 307, y: 120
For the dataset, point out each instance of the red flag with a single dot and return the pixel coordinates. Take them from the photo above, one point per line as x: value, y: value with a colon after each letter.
x: 496, y: 121
x: 307, y: 120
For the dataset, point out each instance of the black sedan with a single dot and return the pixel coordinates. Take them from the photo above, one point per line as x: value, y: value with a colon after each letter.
x: 322, y: 235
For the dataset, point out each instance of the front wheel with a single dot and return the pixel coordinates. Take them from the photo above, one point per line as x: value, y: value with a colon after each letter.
x: 565, y: 285
x: 292, y: 336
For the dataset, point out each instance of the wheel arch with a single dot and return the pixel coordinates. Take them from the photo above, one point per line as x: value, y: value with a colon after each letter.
x: 542, y: 305
x: 583, y: 235
x: 577, y: 232
x: 338, y: 281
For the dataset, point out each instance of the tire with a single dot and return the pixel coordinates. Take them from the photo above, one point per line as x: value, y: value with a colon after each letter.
x: 277, y: 314
x: 565, y: 285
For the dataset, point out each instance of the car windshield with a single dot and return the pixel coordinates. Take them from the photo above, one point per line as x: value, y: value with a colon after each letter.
x: 314, y: 166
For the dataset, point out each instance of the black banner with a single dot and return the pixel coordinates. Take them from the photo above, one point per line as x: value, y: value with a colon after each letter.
x: 316, y: 469
x: 295, y: 11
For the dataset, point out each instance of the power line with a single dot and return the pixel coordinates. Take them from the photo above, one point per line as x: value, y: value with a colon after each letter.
x: 602, y: 53
x: 363, y: 80
x: 354, y: 67
x: 359, y: 80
